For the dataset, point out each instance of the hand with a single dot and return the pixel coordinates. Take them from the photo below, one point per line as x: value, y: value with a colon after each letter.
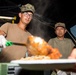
x: 60, y: 72
x: 73, y: 54
x: 2, y: 33
x: 2, y: 41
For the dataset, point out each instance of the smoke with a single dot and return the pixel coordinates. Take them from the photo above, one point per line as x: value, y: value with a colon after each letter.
x: 41, y: 5
x: 42, y: 26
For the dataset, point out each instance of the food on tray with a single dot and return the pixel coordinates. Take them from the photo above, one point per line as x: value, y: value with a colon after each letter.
x: 37, y: 46
x: 37, y: 57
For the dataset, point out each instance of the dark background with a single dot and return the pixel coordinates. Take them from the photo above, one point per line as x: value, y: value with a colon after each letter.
x: 48, y: 12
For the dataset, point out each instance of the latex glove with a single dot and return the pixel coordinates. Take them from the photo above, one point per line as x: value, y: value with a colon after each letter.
x: 3, y: 41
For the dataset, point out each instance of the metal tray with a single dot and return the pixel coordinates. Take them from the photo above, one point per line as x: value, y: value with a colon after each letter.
x: 46, y: 64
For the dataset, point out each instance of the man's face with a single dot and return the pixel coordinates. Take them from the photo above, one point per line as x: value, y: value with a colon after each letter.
x: 60, y: 31
x: 26, y: 17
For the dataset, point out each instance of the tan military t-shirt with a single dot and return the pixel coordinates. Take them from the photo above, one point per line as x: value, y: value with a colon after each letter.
x: 64, y: 46
x: 14, y: 34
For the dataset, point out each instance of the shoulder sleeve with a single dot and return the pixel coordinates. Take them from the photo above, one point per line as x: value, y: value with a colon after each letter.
x: 71, y: 42
x: 4, y: 27
x: 51, y: 42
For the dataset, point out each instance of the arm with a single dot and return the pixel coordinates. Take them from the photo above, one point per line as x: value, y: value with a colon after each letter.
x: 73, y: 54
x: 2, y: 33
x: 4, y: 29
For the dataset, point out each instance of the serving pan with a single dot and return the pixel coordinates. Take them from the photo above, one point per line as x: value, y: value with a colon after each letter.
x: 46, y: 64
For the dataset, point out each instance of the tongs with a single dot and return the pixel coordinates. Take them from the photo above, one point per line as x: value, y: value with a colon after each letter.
x: 9, y: 43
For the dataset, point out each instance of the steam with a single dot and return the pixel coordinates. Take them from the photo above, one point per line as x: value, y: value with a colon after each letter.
x: 41, y: 5
x: 41, y: 24
x: 39, y: 27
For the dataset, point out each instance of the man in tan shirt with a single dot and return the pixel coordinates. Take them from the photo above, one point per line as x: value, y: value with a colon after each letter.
x: 17, y: 33
x: 64, y: 45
